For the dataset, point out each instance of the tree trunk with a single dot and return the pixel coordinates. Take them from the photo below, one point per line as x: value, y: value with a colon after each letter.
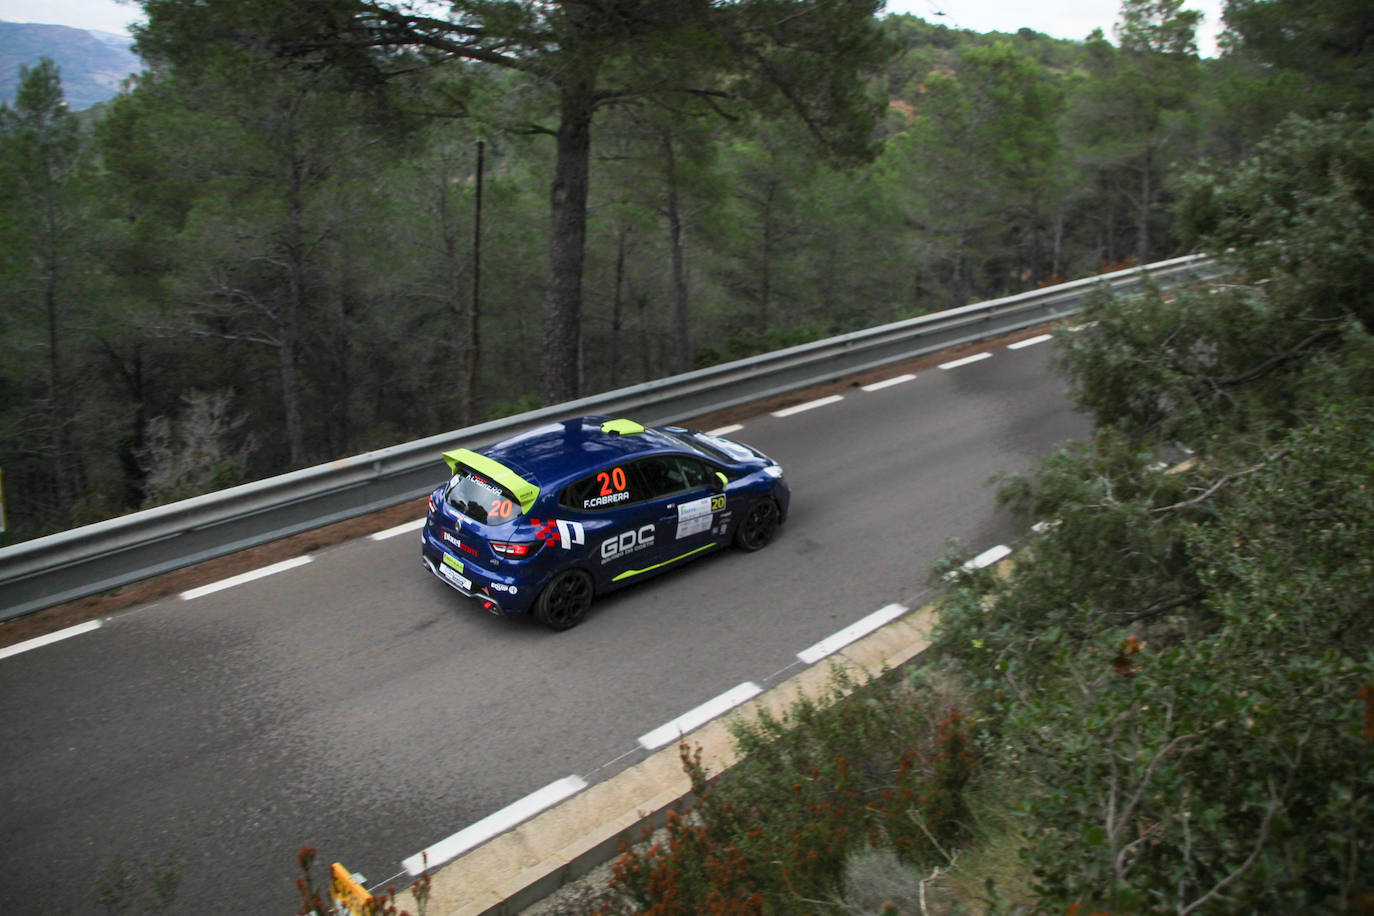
x: 617, y: 304
x: 766, y: 259
x: 455, y: 301
x: 474, y: 328
x: 65, y: 462
x: 561, y: 372
x: 682, y: 342
x: 289, y: 330
x: 1146, y: 203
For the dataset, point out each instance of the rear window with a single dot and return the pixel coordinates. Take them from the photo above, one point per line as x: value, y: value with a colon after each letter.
x: 480, y: 499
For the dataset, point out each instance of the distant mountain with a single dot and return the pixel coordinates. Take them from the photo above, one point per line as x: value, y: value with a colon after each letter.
x: 92, y: 64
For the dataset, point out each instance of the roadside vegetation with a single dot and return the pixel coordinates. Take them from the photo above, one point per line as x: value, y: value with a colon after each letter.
x: 1166, y: 705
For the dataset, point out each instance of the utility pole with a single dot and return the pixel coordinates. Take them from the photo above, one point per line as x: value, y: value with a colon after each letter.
x: 475, y: 326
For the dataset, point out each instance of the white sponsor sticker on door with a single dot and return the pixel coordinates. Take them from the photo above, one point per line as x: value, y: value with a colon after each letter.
x: 693, y: 517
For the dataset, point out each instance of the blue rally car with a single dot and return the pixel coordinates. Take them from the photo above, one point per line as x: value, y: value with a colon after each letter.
x: 545, y: 520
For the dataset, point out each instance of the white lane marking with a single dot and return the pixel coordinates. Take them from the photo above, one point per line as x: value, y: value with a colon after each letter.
x: 809, y: 405
x: 887, y: 383
x: 850, y: 633
x: 494, y: 824
x: 725, y: 430
x: 40, y: 641
x: 1030, y: 341
x: 989, y: 557
x: 399, y: 529
x: 965, y: 361
x: 244, y: 577
x: 700, y: 716
x: 986, y: 558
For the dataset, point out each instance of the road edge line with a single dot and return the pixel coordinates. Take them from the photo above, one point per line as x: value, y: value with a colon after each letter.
x: 527, y: 864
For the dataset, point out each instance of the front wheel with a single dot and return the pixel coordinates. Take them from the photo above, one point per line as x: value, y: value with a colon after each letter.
x: 758, y: 526
x: 564, y: 601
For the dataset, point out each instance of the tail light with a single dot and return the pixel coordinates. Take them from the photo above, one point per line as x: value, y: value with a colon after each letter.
x: 431, y: 505
x: 516, y: 550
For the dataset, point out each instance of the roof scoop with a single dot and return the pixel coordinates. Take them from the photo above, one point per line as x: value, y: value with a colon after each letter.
x: 621, y: 427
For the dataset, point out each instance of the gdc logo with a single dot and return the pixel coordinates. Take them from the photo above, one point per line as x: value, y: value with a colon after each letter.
x: 626, y: 542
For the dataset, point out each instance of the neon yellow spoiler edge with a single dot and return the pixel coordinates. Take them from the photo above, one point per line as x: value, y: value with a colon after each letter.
x: 520, y: 488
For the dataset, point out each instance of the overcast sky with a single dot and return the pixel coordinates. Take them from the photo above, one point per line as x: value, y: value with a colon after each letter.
x: 1060, y: 18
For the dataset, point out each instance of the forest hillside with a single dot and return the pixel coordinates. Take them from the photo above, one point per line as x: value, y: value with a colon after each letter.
x: 264, y: 253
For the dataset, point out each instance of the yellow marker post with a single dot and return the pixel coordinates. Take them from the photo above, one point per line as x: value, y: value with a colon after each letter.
x: 348, y: 894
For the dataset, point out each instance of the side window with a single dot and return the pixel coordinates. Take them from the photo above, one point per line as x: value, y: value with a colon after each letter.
x: 659, y: 473
x: 665, y: 474
x: 606, y: 489
x: 694, y: 473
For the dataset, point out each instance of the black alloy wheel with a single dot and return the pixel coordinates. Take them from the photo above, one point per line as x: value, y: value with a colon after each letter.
x: 758, y: 526
x: 564, y: 601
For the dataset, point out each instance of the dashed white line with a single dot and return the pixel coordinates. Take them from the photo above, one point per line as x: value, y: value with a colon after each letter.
x: 965, y: 361
x: 399, y: 529
x: 809, y: 405
x: 699, y: 716
x: 725, y: 430
x: 1030, y: 341
x: 244, y: 577
x: 887, y: 383
x: 40, y: 641
x: 494, y: 824
x: 989, y: 557
x: 850, y: 633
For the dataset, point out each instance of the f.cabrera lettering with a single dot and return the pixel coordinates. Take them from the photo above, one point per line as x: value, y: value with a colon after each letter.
x: 596, y: 502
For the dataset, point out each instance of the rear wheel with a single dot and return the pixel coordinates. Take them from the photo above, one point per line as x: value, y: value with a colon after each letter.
x: 758, y: 526
x: 564, y: 601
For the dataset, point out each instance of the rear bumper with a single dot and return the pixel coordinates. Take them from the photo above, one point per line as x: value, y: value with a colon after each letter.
x: 479, y: 591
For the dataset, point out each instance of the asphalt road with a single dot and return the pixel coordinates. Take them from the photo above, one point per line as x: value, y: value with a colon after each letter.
x: 358, y: 705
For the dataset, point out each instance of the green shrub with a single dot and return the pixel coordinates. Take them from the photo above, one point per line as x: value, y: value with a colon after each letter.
x: 882, y: 765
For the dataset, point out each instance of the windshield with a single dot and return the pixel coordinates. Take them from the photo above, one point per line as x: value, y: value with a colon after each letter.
x: 713, y: 447
x: 480, y: 499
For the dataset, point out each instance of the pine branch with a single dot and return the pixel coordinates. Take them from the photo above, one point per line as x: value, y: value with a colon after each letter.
x: 1219, y: 485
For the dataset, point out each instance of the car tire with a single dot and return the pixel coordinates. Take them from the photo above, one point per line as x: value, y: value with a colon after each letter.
x: 564, y: 601
x: 759, y: 524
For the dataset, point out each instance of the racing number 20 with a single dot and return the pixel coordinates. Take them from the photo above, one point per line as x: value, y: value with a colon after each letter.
x: 612, y: 481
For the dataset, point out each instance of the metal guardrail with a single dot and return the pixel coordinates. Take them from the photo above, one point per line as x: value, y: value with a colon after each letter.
x: 95, y: 558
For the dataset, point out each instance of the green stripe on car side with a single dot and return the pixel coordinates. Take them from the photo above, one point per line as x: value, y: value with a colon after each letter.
x: 639, y: 572
x: 520, y: 488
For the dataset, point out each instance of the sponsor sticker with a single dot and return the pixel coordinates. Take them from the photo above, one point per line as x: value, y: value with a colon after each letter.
x: 626, y: 543
x: 694, y: 517
x: 565, y: 533
x: 455, y: 577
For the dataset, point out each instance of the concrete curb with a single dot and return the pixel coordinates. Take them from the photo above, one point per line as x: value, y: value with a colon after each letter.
x: 559, y: 845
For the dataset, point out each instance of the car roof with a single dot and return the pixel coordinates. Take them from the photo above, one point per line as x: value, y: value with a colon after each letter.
x: 561, y: 452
